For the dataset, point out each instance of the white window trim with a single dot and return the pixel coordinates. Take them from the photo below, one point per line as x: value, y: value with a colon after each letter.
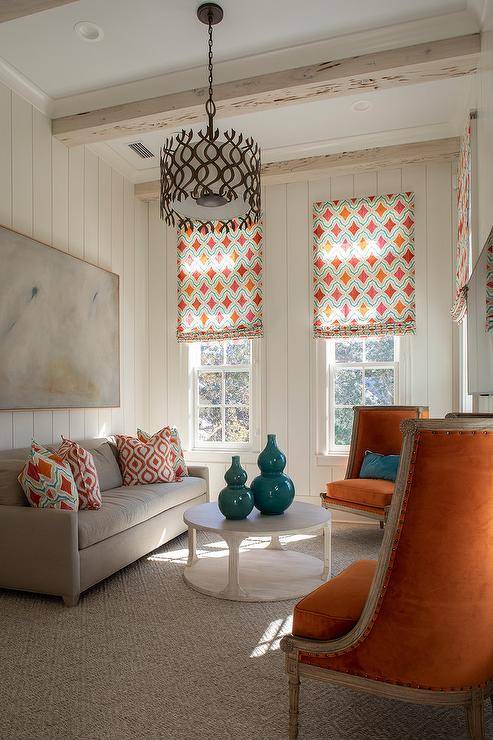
x: 331, y: 366
x: 255, y: 395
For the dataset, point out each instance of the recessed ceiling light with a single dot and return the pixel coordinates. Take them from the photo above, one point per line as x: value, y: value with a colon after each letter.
x: 361, y: 106
x: 88, y: 31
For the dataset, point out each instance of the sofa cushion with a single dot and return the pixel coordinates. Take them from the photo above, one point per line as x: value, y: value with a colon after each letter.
x: 334, y: 608
x: 367, y: 491
x: 130, y: 505
x: 11, y: 464
x: 104, y: 454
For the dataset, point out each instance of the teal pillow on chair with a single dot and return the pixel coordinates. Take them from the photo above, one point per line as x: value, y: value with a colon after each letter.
x: 383, y: 467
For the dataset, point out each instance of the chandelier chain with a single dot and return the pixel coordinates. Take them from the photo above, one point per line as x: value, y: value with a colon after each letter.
x: 210, y: 106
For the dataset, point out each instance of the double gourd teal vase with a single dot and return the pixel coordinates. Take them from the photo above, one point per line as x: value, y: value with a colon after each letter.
x: 236, y: 500
x: 272, y: 491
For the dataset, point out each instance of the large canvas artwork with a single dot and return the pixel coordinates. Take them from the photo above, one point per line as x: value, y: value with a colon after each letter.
x: 59, y: 329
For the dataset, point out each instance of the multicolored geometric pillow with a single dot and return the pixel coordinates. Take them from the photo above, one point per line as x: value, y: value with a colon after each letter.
x: 146, y: 462
x: 84, y: 471
x: 180, y: 464
x: 47, y: 481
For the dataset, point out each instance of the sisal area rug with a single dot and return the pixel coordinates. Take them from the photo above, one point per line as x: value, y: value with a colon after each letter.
x: 144, y: 656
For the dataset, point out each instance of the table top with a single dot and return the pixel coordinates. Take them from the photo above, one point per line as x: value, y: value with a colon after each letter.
x: 299, y: 517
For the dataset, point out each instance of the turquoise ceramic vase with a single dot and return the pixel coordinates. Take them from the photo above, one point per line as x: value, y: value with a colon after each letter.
x: 236, y: 500
x: 272, y: 491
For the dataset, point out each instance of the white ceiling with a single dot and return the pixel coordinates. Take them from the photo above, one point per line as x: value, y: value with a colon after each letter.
x: 147, y: 38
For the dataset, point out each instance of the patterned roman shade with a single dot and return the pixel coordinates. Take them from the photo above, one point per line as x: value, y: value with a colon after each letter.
x: 463, y: 247
x: 219, y: 283
x: 364, y: 264
x: 489, y: 285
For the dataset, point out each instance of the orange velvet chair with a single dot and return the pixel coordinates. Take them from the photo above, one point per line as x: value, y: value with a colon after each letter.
x: 416, y: 625
x: 375, y: 428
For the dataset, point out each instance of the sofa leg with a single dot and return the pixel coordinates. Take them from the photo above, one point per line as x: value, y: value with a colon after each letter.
x: 382, y: 524
x: 294, y: 695
x: 71, y: 600
x: 475, y: 718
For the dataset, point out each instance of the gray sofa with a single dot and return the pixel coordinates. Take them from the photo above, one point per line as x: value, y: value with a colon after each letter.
x: 64, y: 553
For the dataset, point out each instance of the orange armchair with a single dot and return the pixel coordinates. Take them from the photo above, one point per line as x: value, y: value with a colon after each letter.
x: 417, y: 625
x: 375, y: 428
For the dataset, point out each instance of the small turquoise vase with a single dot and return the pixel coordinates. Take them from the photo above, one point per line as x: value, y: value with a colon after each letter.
x: 272, y: 491
x: 236, y: 500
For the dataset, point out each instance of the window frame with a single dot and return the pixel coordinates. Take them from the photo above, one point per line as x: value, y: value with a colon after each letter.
x: 254, y: 393
x: 333, y: 366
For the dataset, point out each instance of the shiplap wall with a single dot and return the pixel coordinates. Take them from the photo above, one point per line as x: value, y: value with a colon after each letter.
x: 74, y: 201
x: 292, y: 371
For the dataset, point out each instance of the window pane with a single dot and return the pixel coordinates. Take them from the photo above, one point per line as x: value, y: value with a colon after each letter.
x: 380, y: 349
x: 210, y: 388
x: 238, y: 352
x: 349, y: 387
x: 349, y: 350
x: 237, y: 388
x: 343, y: 426
x: 210, y: 424
x: 379, y: 387
x: 237, y: 425
x: 211, y: 353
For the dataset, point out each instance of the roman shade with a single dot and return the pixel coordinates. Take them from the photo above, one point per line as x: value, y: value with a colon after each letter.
x: 364, y: 264
x: 489, y: 288
x: 219, y: 283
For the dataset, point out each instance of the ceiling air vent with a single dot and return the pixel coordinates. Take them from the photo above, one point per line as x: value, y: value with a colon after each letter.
x: 139, y: 148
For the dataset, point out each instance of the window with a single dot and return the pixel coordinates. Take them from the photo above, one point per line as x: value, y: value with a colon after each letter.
x: 361, y: 372
x: 223, y: 393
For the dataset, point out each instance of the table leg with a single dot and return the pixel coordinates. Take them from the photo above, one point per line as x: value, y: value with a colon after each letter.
x: 233, y: 589
x: 192, y: 546
x: 275, y: 544
x: 327, y: 533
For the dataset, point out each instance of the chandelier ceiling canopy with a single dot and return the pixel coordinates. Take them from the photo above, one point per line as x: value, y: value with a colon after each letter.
x: 209, y: 176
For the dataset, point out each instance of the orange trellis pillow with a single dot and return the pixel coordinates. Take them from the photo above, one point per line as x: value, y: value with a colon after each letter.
x: 180, y: 464
x: 146, y: 462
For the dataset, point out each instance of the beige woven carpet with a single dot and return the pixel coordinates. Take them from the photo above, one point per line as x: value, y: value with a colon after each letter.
x: 144, y: 656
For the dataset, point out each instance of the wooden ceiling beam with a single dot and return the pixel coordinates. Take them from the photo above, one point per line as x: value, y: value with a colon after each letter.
x: 343, y: 163
x: 436, y: 60
x: 11, y: 9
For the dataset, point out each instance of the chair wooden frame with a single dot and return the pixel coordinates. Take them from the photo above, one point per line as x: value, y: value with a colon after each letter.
x: 382, y: 518
x: 471, y: 699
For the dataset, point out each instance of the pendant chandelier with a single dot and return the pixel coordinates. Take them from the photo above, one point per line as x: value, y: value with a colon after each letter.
x: 210, y: 176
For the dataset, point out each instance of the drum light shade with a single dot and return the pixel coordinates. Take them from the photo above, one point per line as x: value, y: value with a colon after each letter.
x: 210, y: 176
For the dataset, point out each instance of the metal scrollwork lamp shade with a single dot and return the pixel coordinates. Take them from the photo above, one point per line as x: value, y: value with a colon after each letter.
x: 210, y: 176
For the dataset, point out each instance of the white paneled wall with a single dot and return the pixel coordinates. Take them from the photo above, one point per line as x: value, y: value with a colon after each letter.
x: 76, y: 202
x: 293, y: 382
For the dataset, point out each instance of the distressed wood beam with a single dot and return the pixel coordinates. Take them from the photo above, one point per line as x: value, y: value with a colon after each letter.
x: 343, y: 163
x: 381, y: 70
x: 10, y: 9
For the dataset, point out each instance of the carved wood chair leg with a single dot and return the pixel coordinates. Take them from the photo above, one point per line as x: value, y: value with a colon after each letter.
x: 294, y: 694
x: 475, y: 718
x: 294, y: 700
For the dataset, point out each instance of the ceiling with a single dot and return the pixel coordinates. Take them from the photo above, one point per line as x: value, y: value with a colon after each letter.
x: 154, y: 37
x: 154, y: 47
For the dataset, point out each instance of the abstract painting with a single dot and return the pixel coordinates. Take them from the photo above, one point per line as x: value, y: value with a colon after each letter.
x: 59, y: 328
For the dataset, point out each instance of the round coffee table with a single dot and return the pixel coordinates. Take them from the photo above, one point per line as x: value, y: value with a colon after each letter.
x: 262, y: 573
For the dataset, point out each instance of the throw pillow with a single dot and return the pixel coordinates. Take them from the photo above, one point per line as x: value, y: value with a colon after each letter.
x: 84, y: 471
x: 384, y: 467
x: 146, y: 462
x: 47, y: 481
x: 180, y: 464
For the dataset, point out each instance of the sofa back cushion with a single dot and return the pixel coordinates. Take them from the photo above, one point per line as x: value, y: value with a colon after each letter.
x: 105, y: 455
x: 11, y: 464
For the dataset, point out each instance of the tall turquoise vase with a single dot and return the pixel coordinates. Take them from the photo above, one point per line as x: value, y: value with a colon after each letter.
x: 236, y: 500
x: 272, y: 491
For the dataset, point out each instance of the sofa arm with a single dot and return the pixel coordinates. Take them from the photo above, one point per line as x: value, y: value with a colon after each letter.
x: 39, y: 551
x: 200, y: 471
